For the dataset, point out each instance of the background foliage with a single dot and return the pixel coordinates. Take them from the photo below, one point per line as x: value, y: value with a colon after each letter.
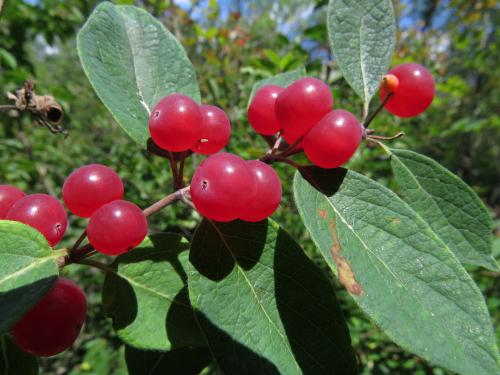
x: 232, y: 44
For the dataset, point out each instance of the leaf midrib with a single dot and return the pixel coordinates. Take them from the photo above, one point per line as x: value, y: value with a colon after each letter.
x: 36, y: 263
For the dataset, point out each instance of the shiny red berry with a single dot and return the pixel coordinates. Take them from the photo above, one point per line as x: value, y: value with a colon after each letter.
x: 222, y: 187
x: 414, y: 92
x: 117, y: 227
x: 8, y: 196
x: 175, y: 123
x: 302, y: 104
x: 89, y: 187
x: 215, y: 132
x: 44, y: 213
x: 333, y: 140
x: 54, y: 323
x: 261, y: 112
x: 268, y: 196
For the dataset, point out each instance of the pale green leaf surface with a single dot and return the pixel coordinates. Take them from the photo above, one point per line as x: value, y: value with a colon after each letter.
x: 397, y: 269
x: 450, y: 207
x: 132, y: 61
x: 264, y: 307
x: 28, y: 270
x: 147, y: 296
x: 362, y: 38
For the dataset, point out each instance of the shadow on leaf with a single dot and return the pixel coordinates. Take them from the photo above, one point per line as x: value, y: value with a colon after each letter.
x: 326, y: 181
x: 213, y: 256
x: 310, y: 313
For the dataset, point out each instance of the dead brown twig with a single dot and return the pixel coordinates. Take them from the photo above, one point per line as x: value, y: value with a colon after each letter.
x: 44, y: 108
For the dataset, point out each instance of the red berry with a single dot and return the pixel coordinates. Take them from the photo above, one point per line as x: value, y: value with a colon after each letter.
x: 413, y: 94
x: 222, y: 187
x: 268, y: 196
x: 333, y: 140
x: 175, y: 123
x: 302, y: 104
x: 8, y: 196
x: 89, y: 187
x: 117, y: 227
x: 261, y: 113
x: 291, y: 138
x: 215, y: 132
x: 44, y: 213
x: 54, y: 323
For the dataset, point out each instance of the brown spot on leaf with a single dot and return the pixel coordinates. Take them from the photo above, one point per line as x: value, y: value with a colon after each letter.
x: 345, y: 273
x: 322, y: 213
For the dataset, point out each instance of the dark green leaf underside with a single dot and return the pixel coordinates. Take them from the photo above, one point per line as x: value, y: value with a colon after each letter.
x: 264, y: 307
x: 13, y: 361
x: 450, y: 207
x: 398, y: 270
x: 147, y: 297
x: 28, y: 270
x: 132, y: 61
x: 362, y: 38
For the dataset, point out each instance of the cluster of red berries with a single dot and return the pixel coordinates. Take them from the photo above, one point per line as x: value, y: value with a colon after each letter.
x: 115, y: 226
x: 224, y: 186
x: 93, y: 191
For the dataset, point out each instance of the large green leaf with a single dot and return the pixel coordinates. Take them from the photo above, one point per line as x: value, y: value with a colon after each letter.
x: 282, y: 79
x: 397, y: 269
x: 263, y: 305
x: 28, y: 269
x: 147, y: 296
x: 132, y: 61
x: 450, y: 207
x: 362, y: 38
x: 185, y: 361
x: 13, y: 361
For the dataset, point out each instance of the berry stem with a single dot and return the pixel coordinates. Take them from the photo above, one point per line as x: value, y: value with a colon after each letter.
x: 382, y: 138
x: 376, y: 112
x: 175, y: 172
x: 79, y: 241
x: 291, y: 148
x: 181, y: 168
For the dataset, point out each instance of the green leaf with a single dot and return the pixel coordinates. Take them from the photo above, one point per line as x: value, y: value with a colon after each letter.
x: 362, y: 38
x: 283, y: 79
x: 132, y: 61
x: 28, y: 270
x: 263, y: 305
x: 13, y: 361
x: 397, y: 269
x: 147, y: 296
x: 450, y: 207
x: 186, y: 361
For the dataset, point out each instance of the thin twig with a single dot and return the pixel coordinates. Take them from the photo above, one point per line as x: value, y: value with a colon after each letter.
x: 376, y: 112
x: 383, y: 138
x: 164, y: 202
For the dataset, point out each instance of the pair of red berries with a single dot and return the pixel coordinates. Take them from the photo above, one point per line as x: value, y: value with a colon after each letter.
x: 225, y: 187
x: 330, y: 137
x: 54, y: 323
x: 304, y: 109
x: 115, y: 225
x: 178, y: 123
